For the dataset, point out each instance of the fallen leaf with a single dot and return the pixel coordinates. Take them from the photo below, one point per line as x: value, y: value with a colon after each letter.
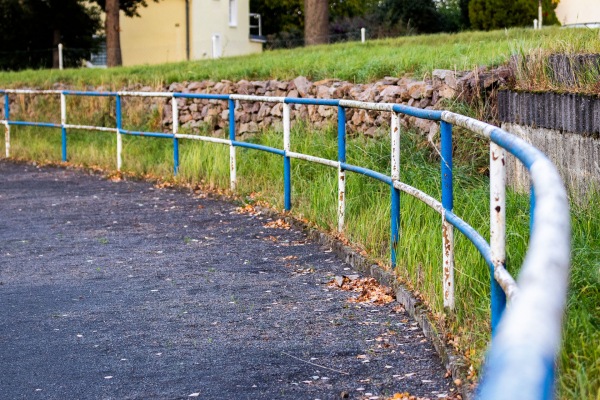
x: 370, y: 290
x: 277, y: 224
x: 247, y: 209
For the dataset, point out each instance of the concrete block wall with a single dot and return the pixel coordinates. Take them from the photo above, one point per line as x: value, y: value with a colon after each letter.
x: 564, y: 126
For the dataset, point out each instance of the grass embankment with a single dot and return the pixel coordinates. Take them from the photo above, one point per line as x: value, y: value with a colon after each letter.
x: 314, y: 186
x: 355, y: 62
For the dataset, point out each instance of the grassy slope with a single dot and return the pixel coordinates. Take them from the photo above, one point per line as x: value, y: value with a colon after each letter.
x: 354, y: 61
x: 361, y: 63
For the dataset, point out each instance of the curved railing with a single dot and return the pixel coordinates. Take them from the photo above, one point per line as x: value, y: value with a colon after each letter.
x: 525, y: 338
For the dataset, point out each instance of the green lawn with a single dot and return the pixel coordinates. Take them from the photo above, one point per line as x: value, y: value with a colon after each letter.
x: 354, y: 61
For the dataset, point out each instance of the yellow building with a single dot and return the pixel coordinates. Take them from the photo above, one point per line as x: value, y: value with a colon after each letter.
x: 178, y: 30
x: 570, y: 12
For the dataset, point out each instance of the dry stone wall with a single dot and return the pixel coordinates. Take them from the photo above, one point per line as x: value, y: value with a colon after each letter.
x: 255, y: 116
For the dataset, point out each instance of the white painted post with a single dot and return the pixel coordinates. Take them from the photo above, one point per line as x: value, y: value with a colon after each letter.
x: 341, y: 198
x: 232, y: 172
x: 448, y: 262
x: 395, y: 137
x: 535, y: 24
x: 119, y: 150
x: 498, y: 205
x: 60, y: 56
x: 175, y: 115
x: 363, y: 34
x: 7, y: 139
x: 286, y: 127
x: 63, y: 109
x: 119, y: 123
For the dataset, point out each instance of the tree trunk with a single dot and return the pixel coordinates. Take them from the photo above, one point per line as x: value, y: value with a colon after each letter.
x: 113, y: 36
x: 316, y: 22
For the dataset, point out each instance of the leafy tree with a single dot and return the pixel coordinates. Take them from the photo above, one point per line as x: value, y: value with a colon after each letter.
x: 454, y: 15
x: 30, y: 31
x: 112, y: 25
x: 279, y: 15
x: 414, y: 15
x: 283, y: 20
x: 496, y: 14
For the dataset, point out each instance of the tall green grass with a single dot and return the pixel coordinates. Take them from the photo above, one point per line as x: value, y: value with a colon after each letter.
x: 367, y: 223
x: 354, y: 61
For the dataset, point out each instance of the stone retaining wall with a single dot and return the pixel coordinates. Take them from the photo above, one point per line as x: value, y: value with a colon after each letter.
x: 255, y: 116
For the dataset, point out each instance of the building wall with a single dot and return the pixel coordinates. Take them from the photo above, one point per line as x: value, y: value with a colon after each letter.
x: 157, y: 36
x: 234, y: 39
x: 578, y: 11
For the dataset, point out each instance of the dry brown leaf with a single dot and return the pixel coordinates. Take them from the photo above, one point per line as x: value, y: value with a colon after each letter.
x: 115, y: 176
x: 370, y: 290
x: 398, y: 309
x: 247, y: 209
x: 164, y: 185
x: 277, y: 224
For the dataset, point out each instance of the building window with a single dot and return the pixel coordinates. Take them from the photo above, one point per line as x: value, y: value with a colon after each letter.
x: 98, y: 59
x: 233, y: 13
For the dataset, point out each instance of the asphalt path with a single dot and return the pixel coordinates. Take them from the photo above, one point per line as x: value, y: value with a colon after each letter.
x: 122, y: 290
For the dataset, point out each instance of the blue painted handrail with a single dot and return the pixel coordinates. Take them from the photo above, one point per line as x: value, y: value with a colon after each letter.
x: 525, y: 337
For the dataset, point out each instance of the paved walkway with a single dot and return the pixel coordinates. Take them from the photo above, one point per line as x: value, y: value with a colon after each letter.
x: 126, y: 291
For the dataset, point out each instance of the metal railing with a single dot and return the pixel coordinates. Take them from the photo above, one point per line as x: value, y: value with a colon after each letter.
x: 525, y: 335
